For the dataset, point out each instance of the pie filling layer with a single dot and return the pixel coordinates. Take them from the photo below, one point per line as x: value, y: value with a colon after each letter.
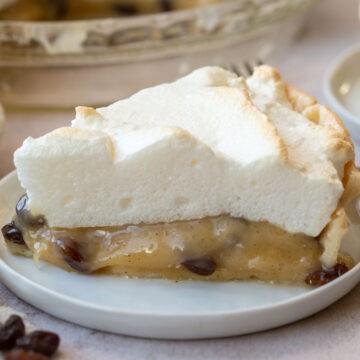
x: 217, y: 248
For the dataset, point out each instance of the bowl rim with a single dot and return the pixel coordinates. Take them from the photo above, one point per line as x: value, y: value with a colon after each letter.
x: 330, y: 74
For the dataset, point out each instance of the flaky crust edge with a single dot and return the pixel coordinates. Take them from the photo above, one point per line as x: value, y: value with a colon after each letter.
x: 331, y: 237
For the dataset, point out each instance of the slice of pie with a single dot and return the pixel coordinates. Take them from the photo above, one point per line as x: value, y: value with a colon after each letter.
x: 212, y: 177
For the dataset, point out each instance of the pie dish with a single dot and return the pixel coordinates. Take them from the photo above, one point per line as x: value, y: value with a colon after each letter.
x: 111, y: 52
x: 211, y: 177
x: 42, y: 10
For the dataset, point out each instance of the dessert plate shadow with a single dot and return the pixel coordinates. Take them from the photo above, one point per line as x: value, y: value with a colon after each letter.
x: 159, y: 308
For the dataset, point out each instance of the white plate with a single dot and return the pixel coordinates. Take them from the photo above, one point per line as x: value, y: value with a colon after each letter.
x: 342, y: 88
x: 158, y: 308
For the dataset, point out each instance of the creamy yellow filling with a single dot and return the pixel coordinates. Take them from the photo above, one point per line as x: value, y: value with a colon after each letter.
x: 226, y: 248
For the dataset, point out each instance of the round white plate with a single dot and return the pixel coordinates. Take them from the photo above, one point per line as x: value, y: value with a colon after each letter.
x: 342, y: 88
x: 158, y: 308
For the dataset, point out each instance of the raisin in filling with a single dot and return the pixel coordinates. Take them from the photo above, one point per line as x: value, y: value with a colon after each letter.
x: 218, y: 248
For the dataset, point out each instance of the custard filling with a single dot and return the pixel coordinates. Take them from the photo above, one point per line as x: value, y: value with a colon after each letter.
x: 217, y: 248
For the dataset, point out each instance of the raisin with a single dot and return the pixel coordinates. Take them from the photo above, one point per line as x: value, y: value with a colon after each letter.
x: 19, y: 354
x: 324, y: 276
x: 202, y: 266
x: 24, y: 215
x: 60, y: 7
x: 12, y: 234
x: 42, y: 342
x: 13, y: 329
x: 125, y: 9
x: 166, y: 5
x: 70, y: 251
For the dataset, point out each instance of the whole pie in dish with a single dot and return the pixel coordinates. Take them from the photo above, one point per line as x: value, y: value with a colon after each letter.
x: 211, y: 177
x: 52, y: 10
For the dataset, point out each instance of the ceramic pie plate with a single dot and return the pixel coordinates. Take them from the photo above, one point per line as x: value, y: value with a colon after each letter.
x: 159, y: 308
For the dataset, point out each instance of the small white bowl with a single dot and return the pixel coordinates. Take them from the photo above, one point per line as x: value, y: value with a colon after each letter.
x: 342, y: 89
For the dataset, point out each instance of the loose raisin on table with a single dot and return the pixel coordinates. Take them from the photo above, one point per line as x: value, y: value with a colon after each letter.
x: 42, y: 342
x: 12, y: 234
x: 19, y: 354
x: 201, y: 266
x: 324, y: 276
x: 12, y: 329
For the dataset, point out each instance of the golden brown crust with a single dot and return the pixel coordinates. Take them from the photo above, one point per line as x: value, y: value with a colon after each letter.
x: 315, y: 112
x: 299, y: 99
x: 269, y: 131
x: 342, y: 147
x: 332, y: 236
x: 322, y: 115
x: 343, y: 151
x: 86, y: 111
x: 266, y: 72
x: 351, y: 183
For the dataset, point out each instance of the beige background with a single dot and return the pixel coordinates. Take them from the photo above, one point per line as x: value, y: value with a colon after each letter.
x: 332, y: 334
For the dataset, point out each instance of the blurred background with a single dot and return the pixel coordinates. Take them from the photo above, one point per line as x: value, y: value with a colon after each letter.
x: 56, y: 54
x: 97, y: 51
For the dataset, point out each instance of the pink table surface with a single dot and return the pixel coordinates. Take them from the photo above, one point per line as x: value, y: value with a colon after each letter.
x: 331, y: 334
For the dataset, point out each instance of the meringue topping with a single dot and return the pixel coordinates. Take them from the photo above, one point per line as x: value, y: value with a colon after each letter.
x: 208, y: 144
